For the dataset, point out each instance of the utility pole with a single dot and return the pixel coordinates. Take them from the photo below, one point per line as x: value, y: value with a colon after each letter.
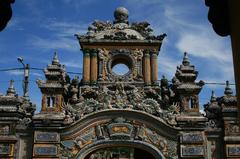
x: 26, y: 68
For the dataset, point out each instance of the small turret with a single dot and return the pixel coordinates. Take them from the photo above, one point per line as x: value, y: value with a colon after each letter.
x: 212, y: 109
x: 228, y: 91
x: 213, y: 97
x: 185, y: 87
x: 53, y: 88
x: 11, y: 90
x: 228, y: 101
x: 185, y: 61
x: 55, y: 60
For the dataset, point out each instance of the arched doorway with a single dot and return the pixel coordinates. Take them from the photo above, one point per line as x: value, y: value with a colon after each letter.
x: 120, y: 153
x: 113, y: 149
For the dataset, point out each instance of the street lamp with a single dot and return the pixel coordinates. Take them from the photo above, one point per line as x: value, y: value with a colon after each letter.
x: 26, y: 77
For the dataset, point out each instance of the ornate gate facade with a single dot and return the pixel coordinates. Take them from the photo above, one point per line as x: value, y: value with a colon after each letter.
x: 109, y: 114
x: 131, y: 129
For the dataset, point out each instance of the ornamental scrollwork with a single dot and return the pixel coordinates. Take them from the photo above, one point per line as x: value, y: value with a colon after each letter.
x: 118, y: 129
x: 121, y: 96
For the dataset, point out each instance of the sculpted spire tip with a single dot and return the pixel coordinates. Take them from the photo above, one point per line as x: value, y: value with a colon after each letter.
x: 55, y: 60
x: 11, y: 90
x: 121, y: 15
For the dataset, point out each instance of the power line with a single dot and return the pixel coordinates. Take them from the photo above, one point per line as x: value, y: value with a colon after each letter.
x: 218, y: 83
x: 211, y: 83
x: 10, y: 69
x: 78, y: 73
x: 34, y: 68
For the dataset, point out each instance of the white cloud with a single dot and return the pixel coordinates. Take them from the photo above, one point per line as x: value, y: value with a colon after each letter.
x: 54, y: 44
x: 36, y: 74
x: 167, y: 66
x: 202, y: 43
x: 20, y: 73
x: 188, y: 30
x: 15, y: 72
x: 65, y: 29
x: 62, y: 36
x: 77, y: 3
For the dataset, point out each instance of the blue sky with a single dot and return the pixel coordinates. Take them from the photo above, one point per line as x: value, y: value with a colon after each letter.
x: 38, y: 28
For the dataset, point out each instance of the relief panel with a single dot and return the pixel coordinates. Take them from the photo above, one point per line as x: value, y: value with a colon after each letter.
x: 45, y: 150
x: 192, y: 151
x: 233, y: 151
x: 41, y: 137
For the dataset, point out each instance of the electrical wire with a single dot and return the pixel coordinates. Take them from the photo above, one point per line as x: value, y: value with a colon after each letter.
x: 78, y: 73
x: 34, y: 68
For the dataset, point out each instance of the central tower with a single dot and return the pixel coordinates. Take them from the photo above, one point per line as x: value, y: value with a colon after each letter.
x: 107, y: 45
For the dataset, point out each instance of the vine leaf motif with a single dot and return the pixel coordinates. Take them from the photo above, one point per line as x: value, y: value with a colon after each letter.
x: 143, y: 28
x: 87, y: 106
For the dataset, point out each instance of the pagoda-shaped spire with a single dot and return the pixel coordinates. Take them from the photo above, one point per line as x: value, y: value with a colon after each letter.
x: 228, y: 91
x: 228, y: 100
x: 186, y: 73
x: 55, y: 60
x: 212, y: 106
x: 185, y: 87
x: 185, y: 61
x: 53, y: 87
x: 11, y: 90
x: 55, y: 71
x: 213, y: 111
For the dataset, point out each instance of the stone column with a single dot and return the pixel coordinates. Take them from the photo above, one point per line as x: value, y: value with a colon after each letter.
x: 86, y: 67
x: 154, y: 68
x: 147, y: 68
x: 93, y: 67
x: 44, y: 101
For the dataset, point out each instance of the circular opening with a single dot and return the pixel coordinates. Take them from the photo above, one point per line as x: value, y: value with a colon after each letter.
x: 121, y: 64
x: 120, y: 69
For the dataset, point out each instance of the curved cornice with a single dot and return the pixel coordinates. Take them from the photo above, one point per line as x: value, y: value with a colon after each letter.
x: 150, y: 121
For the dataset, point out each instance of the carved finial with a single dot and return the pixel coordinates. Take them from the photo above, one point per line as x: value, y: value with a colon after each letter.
x: 164, y: 81
x: 228, y: 91
x: 121, y: 15
x: 213, y: 97
x: 55, y: 60
x: 75, y: 80
x: 185, y: 61
x: 11, y: 90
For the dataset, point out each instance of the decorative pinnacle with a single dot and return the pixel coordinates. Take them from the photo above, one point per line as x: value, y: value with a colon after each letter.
x: 55, y: 60
x: 11, y: 90
x: 185, y: 61
x: 228, y: 91
x: 121, y: 15
x: 164, y: 81
x: 213, y: 97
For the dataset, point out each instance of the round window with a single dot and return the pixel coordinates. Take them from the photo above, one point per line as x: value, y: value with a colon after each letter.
x: 120, y: 69
x: 120, y: 65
